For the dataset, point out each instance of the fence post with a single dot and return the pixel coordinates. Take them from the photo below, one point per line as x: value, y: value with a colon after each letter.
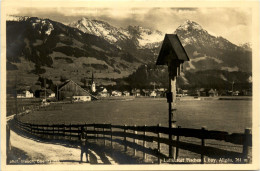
x: 79, y: 132
x: 33, y: 131
x: 86, y: 132
x: 177, y: 145
x: 8, y: 135
x: 158, y: 143
x: 144, y: 144
x: 64, y: 133
x: 70, y: 131
x: 134, y: 140
x: 246, y: 145
x: 95, y: 132
x: 53, y: 131
x: 203, y: 129
x: 37, y: 133
x: 104, y: 134
x: 58, y: 132
x: 43, y: 131
x: 49, y: 136
x: 111, y: 132
x: 46, y: 132
x: 125, y: 137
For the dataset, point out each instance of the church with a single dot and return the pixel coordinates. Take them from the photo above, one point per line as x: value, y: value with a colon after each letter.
x: 92, y: 84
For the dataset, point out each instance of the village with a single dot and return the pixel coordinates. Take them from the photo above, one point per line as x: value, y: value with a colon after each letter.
x: 69, y: 90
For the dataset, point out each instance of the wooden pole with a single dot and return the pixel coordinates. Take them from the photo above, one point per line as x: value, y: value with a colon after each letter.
x: 202, y: 144
x: 43, y: 131
x: 172, y: 69
x: 79, y: 132
x: 8, y: 141
x: 86, y: 132
x: 31, y: 128
x: 38, y: 131
x: 64, y: 133
x: 111, y: 131
x: 59, y: 137
x: 70, y: 131
x: 53, y: 132
x: 246, y: 145
x: 158, y: 143
x: 95, y: 132
x: 16, y: 103
x: 144, y: 144
x: 134, y: 140
x: 177, y: 145
x: 104, y: 135
x: 125, y: 137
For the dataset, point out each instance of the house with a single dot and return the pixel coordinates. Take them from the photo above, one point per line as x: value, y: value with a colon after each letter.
x: 145, y: 92
x: 202, y: 92
x: 185, y: 92
x: 81, y: 98
x: 126, y: 93
x: 136, y: 92
x: 153, y: 94
x: 116, y: 93
x: 161, y: 92
x: 102, y: 92
x: 44, y: 94
x: 212, y: 93
x: 50, y: 93
x: 72, y: 91
x: 25, y: 94
x: 247, y: 92
x: 235, y: 93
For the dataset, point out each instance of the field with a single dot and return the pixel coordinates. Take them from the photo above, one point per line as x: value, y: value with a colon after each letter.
x: 23, y: 104
x: 223, y: 115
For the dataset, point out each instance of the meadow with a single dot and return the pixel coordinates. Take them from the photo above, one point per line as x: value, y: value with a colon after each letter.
x: 23, y: 104
x: 223, y: 115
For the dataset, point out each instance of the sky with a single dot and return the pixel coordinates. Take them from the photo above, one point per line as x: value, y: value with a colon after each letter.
x: 234, y: 24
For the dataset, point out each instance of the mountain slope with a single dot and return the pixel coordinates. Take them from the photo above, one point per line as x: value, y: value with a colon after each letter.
x: 141, y: 37
x: 209, y: 52
x: 101, y: 29
x: 47, y: 48
x: 53, y: 49
x: 214, y: 62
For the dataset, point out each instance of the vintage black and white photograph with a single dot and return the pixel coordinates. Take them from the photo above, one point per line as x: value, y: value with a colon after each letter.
x: 146, y: 85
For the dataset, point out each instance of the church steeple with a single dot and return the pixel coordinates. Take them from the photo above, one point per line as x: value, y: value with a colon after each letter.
x: 93, y: 85
x: 92, y: 78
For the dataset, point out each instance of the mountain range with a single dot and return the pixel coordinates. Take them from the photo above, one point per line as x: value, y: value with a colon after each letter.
x: 43, y: 47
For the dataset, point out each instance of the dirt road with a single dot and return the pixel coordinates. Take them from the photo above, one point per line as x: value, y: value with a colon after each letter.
x: 43, y: 152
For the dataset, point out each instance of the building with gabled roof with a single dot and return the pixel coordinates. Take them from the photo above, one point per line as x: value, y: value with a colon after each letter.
x: 72, y: 91
x: 171, y: 49
x: 213, y: 93
x: 25, y: 94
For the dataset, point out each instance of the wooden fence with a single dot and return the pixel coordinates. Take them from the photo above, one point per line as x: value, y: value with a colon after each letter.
x: 122, y: 133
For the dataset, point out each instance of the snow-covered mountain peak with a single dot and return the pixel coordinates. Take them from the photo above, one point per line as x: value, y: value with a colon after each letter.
x: 187, y: 25
x: 143, y: 36
x: 100, y: 28
x: 148, y: 37
x: 42, y: 25
x: 16, y: 18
